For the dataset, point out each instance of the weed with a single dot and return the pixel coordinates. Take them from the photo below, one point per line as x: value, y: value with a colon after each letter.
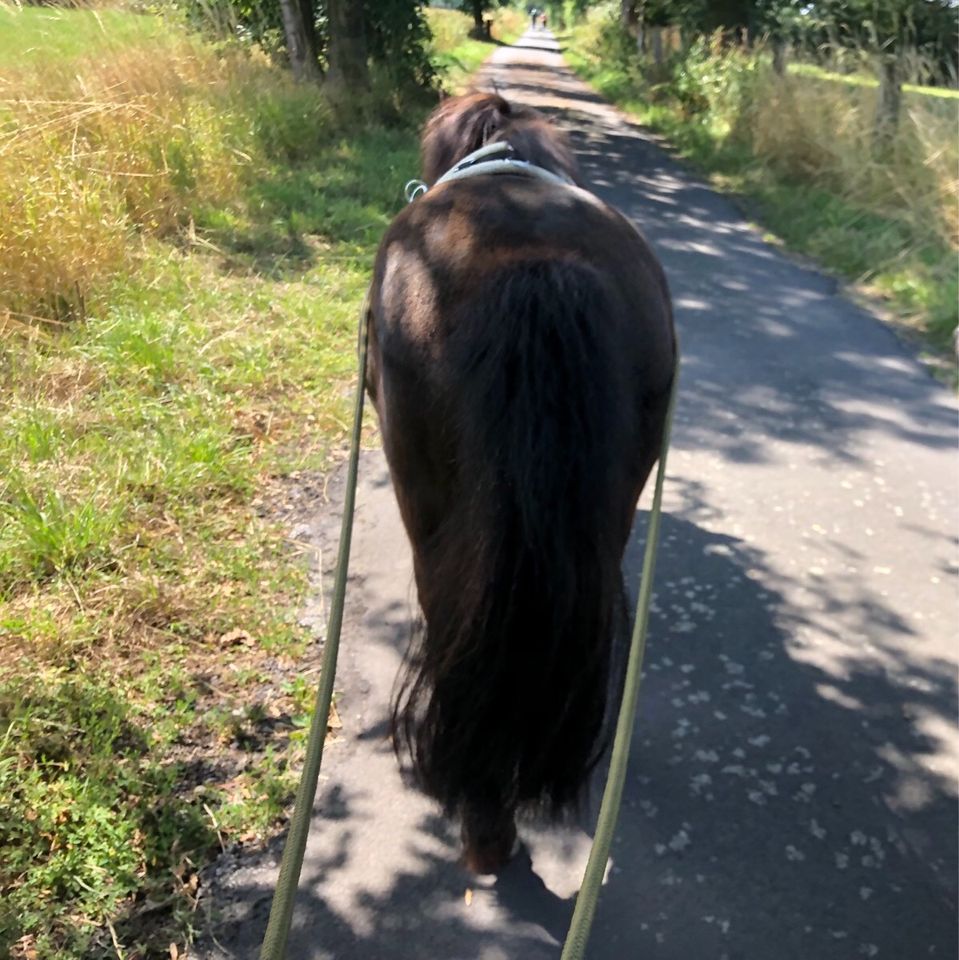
x: 44, y: 534
x: 80, y: 825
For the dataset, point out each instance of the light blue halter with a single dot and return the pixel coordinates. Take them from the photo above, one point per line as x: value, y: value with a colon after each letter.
x: 489, y: 159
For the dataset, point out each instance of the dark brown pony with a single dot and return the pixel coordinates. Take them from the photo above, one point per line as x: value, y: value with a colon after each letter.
x: 521, y: 357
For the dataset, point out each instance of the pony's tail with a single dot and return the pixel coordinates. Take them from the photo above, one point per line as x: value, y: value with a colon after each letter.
x: 504, y: 703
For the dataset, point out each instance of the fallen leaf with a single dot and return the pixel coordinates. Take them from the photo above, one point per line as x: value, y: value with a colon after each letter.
x: 334, y: 722
x: 468, y: 896
x: 235, y: 637
x: 24, y: 949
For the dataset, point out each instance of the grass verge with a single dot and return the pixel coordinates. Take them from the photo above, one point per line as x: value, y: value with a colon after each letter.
x: 30, y: 35
x: 799, y: 150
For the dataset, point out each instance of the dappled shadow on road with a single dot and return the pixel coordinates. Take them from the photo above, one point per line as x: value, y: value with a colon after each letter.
x: 530, y: 46
x: 772, y: 798
x: 779, y: 798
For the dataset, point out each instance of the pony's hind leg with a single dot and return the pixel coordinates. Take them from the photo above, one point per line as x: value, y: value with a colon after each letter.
x: 489, y: 837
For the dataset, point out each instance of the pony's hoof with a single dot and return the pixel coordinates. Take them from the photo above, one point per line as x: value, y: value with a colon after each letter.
x: 489, y: 850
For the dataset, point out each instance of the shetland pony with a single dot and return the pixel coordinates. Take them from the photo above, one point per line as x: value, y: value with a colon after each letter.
x: 521, y: 354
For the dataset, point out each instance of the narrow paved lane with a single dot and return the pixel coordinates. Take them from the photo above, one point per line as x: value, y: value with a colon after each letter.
x: 793, y: 786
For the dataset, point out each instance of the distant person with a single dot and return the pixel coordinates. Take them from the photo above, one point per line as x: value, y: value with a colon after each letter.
x: 532, y: 18
x: 543, y: 18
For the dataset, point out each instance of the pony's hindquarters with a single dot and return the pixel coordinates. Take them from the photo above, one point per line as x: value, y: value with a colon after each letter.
x: 518, y: 447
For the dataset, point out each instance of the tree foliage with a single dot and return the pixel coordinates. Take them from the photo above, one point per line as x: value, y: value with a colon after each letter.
x: 880, y: 26
x: 396, y: 34
x: 897, y: 37
x: 398, y: 38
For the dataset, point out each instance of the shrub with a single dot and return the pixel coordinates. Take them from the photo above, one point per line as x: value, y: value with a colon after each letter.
x: 715, y: 79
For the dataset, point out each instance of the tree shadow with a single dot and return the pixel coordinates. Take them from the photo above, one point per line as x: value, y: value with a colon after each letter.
x: 779, y: 802
x: 767, y: 341
x: 531, y: 46
x: 774, y: 803
x: 334, y: 201
x: 772, y: 343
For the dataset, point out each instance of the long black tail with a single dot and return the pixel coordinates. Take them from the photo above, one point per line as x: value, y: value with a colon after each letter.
x: 504, y: 704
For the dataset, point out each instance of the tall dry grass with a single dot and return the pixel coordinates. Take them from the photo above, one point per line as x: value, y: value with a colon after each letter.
x: 824, y: 132
x: 100, y: 152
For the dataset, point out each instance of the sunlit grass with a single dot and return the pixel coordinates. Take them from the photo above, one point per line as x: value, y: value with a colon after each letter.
x: 865, y: 80
x: 133, y: 445
x: 49, y: 34
x: 185, y: 240
x: 132, y: 139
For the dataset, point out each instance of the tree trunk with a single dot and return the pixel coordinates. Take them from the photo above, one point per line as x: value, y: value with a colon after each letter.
x: 642, y: 38
x: 629, y: 16
x: 779, y: 56
x: 349, y: 71
x: 657, y: 38
x: 300, y: 30
x: 833, y: 52
x: 477, y: 8
x: 890, y: 100
x: 308, y: 14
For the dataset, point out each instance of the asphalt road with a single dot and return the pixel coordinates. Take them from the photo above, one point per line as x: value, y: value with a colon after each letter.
x: 792, y: 792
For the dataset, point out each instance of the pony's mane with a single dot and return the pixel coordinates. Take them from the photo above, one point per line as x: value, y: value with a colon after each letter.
x: 461, y: 125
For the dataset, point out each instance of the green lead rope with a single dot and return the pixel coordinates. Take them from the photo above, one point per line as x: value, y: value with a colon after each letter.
x: 281, y: 911
x: 579, y: 927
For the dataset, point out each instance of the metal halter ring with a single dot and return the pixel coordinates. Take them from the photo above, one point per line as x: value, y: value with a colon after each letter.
x: 414, y: 189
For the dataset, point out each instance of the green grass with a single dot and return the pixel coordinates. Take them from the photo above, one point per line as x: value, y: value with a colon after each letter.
x: 137, y: 450
x: 31, y: 35
x: 130, y: 543
x: 864, y: 80
x: 892, y: 243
